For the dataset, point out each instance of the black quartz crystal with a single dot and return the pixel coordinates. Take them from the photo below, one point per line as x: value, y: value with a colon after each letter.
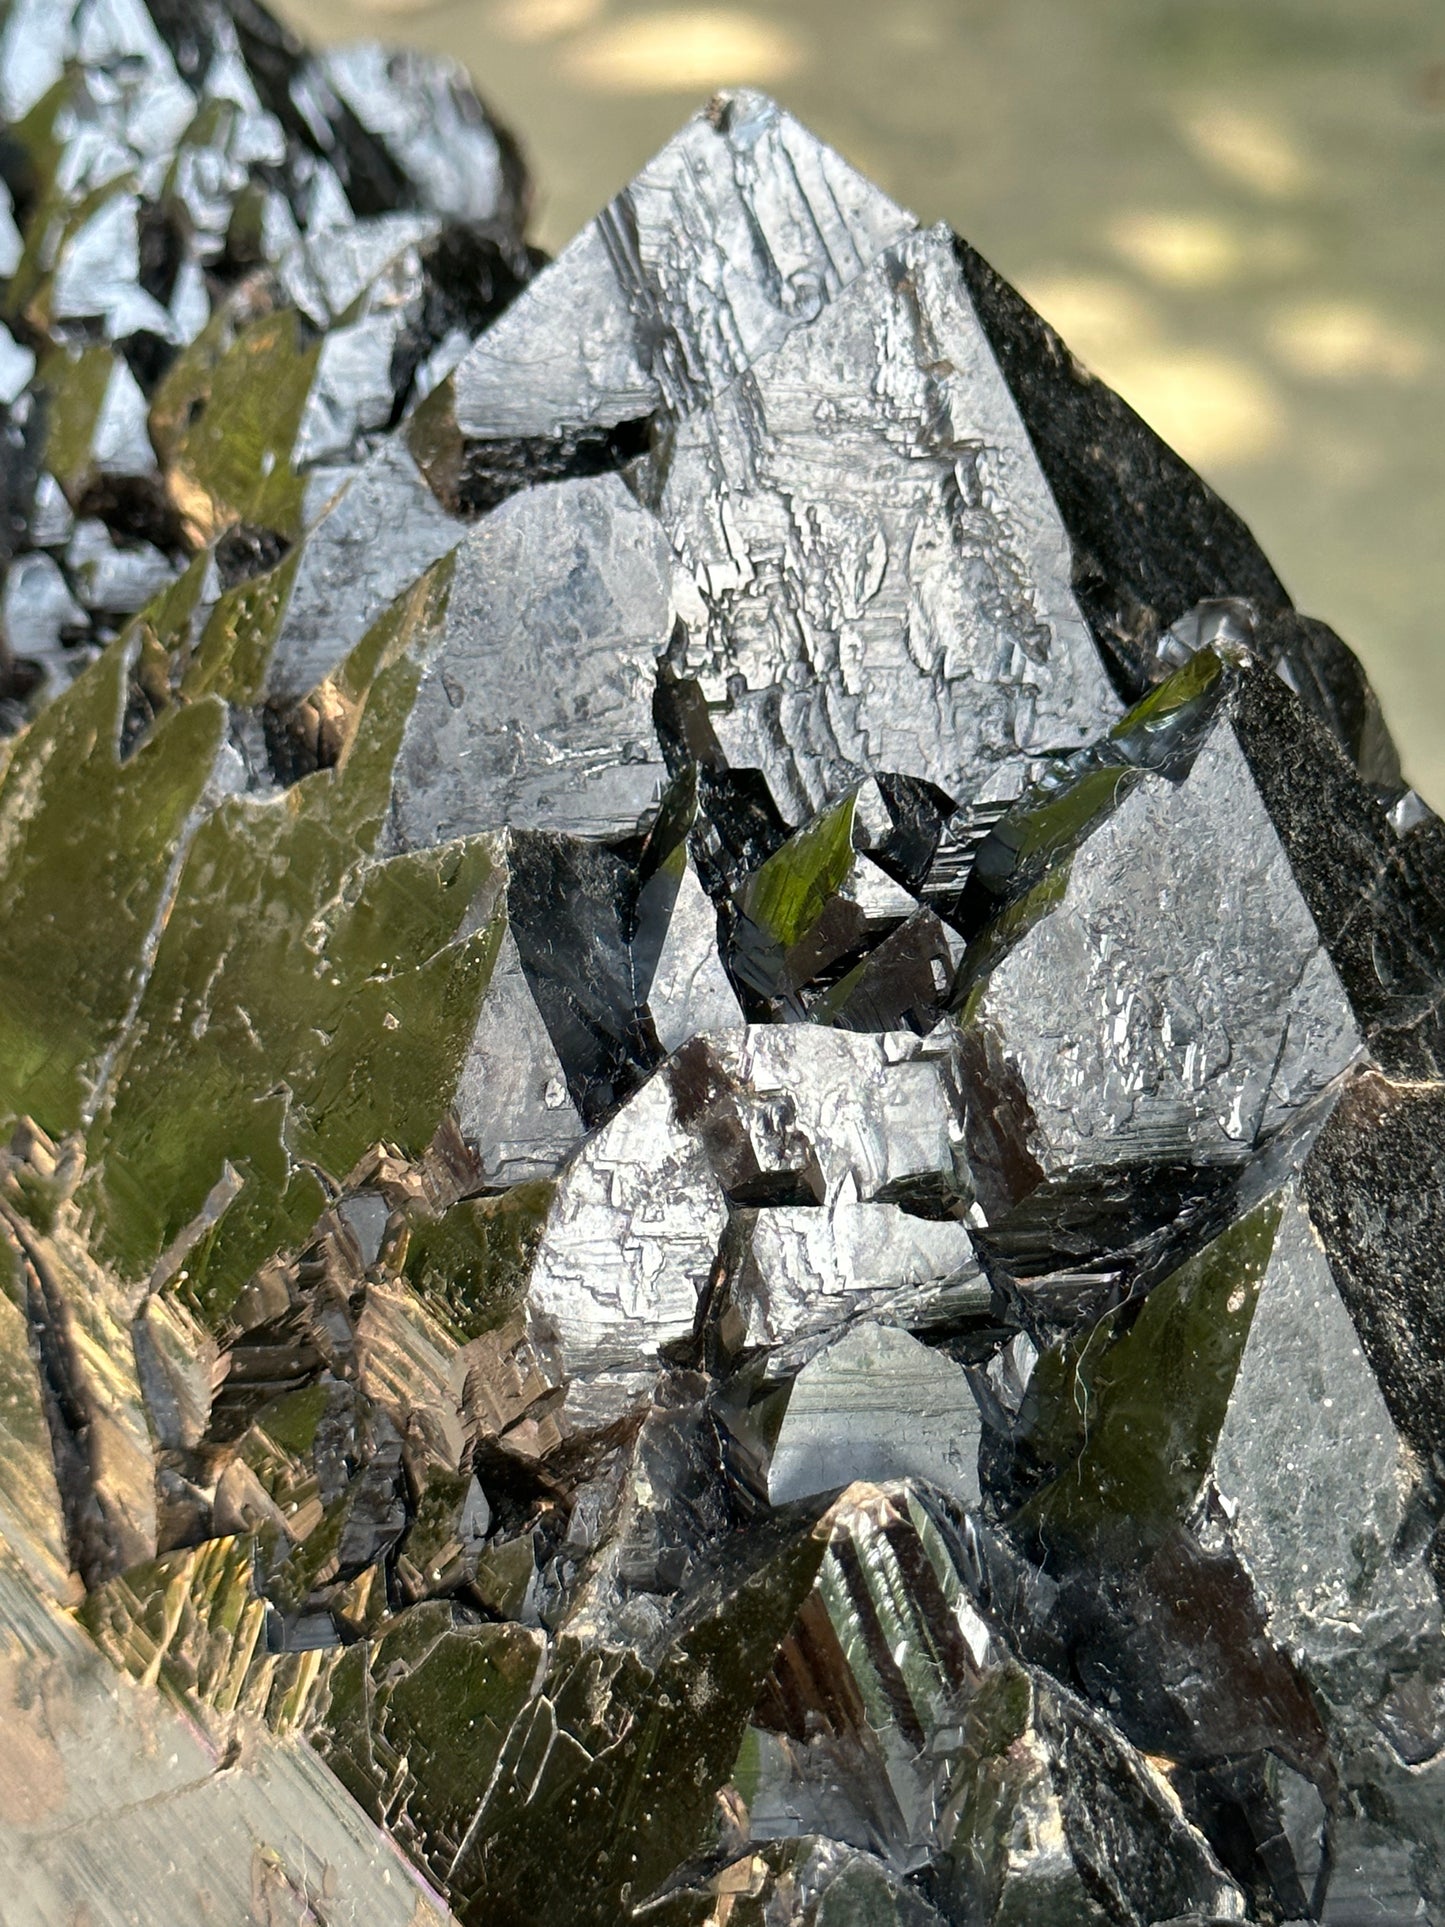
x: 722, y: 1055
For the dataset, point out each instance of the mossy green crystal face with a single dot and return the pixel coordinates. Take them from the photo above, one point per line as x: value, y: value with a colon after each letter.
x: 688, y: 1233
x: 225, y: 419
x: 233, y: 651
x: 259, y: 1003
x: 87, y: 844
x: 303, y: 1002
x: 788, y: 894
x: 470, y: 1267
x: 1127, y: 1416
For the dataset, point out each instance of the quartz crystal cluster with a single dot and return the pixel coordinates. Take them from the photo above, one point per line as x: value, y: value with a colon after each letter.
x: 723, y: 1059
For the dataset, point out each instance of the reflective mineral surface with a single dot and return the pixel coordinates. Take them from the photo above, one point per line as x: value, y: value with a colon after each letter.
x: 722, y: 1056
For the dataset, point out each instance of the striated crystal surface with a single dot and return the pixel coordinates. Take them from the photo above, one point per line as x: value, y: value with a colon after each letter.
x: 722, y: 1064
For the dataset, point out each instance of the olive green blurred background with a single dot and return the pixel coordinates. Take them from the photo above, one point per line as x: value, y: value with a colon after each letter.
x: 1233, y: 209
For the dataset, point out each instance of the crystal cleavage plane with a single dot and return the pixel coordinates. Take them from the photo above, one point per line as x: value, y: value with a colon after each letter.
x: 722, y: 1056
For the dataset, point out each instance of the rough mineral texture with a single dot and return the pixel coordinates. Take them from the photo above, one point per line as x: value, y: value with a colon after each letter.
x: 722, y: 1064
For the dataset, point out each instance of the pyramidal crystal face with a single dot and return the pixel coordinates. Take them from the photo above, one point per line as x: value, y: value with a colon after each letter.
x: 722, y: 1057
